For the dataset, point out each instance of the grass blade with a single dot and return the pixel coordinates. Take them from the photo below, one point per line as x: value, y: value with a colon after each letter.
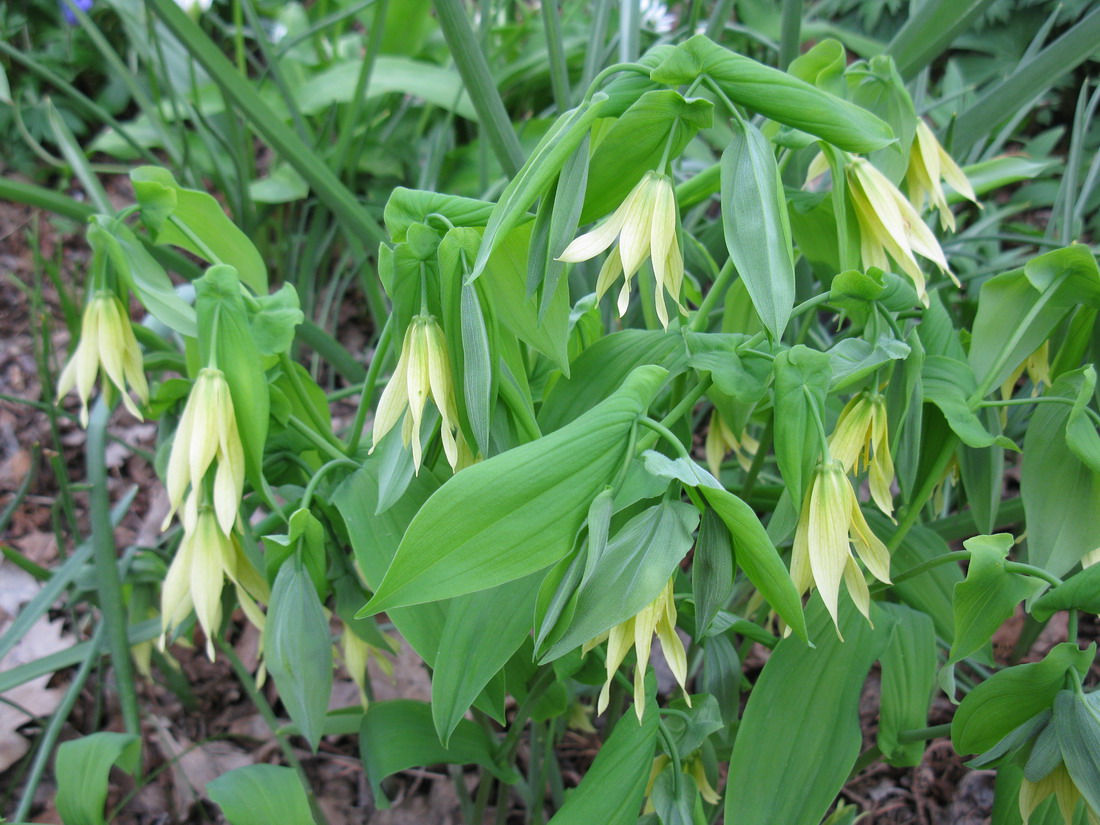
x: 929, y: 31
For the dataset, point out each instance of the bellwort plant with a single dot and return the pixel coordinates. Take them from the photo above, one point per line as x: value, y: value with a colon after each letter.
x: 395, y: 415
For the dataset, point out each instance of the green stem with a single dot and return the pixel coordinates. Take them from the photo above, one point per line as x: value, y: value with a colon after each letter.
x: 304, y: 400
x: 307, y: 496
x: 759, y: 458
x: 259, y: 701
x: 317, y: 440
x: 685, y: 405
x: 479, y: 83
x: 1071, y: 627
x: 790, y: 32
x: 931, y: 564
x: 717, y: 290
x: 1033, y: 571
x: 108, y: 585
x: 667, y: 434
x: 911, y: 512
x: 673, y: 754
x: 615, y: 68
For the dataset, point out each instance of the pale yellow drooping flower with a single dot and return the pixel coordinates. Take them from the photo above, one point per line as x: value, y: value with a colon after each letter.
x: 860, y: 441
x: 928, y: 164
x: 107, y: 342
x: 830, y: 525
x: 423, y: 371
x: 208, y: 432
x: 658, y: 617
x: 645, y: 227
x: 721, y: 441
x: 1059, y: 784
x: 889, y: 225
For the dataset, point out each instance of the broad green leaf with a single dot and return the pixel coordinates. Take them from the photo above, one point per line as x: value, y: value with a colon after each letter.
x: 689, y: 729
x: 82, y: 769
x: 434, y: 84
x: 408, y: 206
x: 800, y: 728
x: 1080, y: 592
x: 261, y: 795
x: 908, y: 677
x: 603, y: 367
x: 673, y: 796
x: 1018, y: 310
x: 635, y: 144
x: 678, y: 469
x: 481, y: 633
x: 721, y: 675
x: 743, y: 377
x: 950, y: 384
x: 905, y: 415
x: 536, y: 176
x: 802, y: 378
x: 775, y: 94
x: 822, y: 65
x: 756, y: 226
x: 929, y: 30
x: 988, y: 596
x: 1081, y: 435
x: 711, y: 571
x: 498, y: 521
x: 275, y: 320
x: 225, y: 340
x: 399, y: 734
x: 854, y: 359
x: 141, y: 273
x: 611, y: 791
x: 222, y: 241
x: 630, y: 573
x: 930, y: 592
x: 1061, y: 494
x: 505, y: 278
x: 1077, y: 723
x: 757, y: 556
x: 298, y: 649
x: 282, y: 185
x: 982, y: 472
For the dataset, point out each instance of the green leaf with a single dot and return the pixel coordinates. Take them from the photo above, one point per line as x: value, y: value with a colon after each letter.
x: 604, y: 366
x: 988, y: 596
x: 298, y: 649
x: 908, y: 677
x: 505, y: 279
x: 1061, y: 494
x: 437, y: 85
x: 635, y: 144
x: 222, y: 241
x: 802, y: 377
x: 756, y: 226
x: 142, y: 273
x: 274, y: 323
x: 629, y: 574
x: 1080, y: 592
x: 800, y: 728
x: 399, y: 734
x: 689, y: 729
x: 481, y: 632
x: 711, y: 571
x: 1077, y: 723
x: 950, y: 384
x: 743, y: 377
x: 497, y: 521
x: 261, y: 795
x: 775, y: 94
x: 611, y: 791
x: 1081, y: 435
x: 673, y: 796
x: 982, y: 472
x: 82, y: 769
x: 930, y: 29
x: 680, y: 469
x: 282, y: 185
x: 225, y: 338
x: 854, y: 359
x: 757, y: 556
x: 408, y: 206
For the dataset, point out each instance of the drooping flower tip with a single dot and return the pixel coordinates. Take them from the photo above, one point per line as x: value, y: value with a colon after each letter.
x: 830, y: 525
x: 423, y: 371
x: 860, y: 441
x: 106, y: 343
x: 889, y: 225
x: 928, y: 164
x: 208, y: 432
x: 645, y: 225
x: 658, y: 617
